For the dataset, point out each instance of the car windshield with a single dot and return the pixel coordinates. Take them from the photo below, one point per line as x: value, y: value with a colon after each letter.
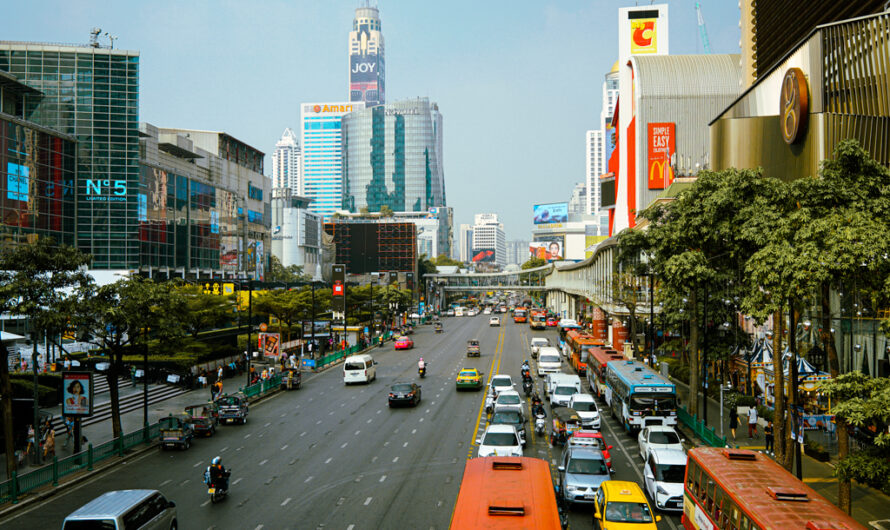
x: 508, y: 399
x: 628, y: 512
x: 509, y: 417
x: 673, y: 473
x: 549, y: 359
x: 587, y: 466
x: 584, y: 406
x: 501, y: 381
x: 565, y: 390
x: 404, y: 387
x: 92, y: 524
x: 663, y: 437
x: 355, y: 366
x: 539, y: 342
x: 500, y: 439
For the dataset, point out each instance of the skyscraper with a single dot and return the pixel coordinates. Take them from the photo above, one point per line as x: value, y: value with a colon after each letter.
x: 367, y: 71
x: 322, y: 171
x: 286, y: 162
x: 392, y: 157
x: 593, y: 147
x: 489, y: 240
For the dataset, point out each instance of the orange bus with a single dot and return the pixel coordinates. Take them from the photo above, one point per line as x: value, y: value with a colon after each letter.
x: 744, y: 490
x: 597, y: 358
x: 520, y: 315
x: 578, y: 342
x: 506, y: 492
x: 538, y: 319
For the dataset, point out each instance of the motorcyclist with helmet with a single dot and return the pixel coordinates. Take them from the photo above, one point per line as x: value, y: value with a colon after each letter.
x: 218, y: 475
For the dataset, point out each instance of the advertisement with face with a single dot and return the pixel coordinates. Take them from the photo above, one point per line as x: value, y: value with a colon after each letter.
x: 77, y: 393
x: 551, y: 213
x: 549, y: 248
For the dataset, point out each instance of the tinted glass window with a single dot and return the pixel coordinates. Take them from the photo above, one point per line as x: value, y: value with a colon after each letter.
x: 500, y: 439
x: 628, y: 512
x: 508, y: 399
x: 670, y: 473
x: 587, y: 466
x: 405, y: 387
x: 97, y: 524
x: 549, y: 359
x: 584, y: 406
x: 663, y: 437
x: 565, y: 390
x: 355, y: 366
x: 510, y: 417
x: 501, y: 381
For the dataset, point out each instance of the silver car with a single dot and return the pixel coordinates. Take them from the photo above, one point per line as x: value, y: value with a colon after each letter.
x: 117, y: 510
x: 581, y: 472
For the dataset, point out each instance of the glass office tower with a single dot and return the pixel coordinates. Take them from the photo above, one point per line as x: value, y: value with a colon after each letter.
x: 92, y: 94
x: 392, y: 156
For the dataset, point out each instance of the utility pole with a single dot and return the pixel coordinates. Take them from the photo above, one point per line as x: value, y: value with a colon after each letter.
x: 704, y: 363
x: 249, y: 326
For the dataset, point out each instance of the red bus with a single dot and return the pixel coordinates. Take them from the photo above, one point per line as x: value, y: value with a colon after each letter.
x: 744, y: 490
x: 538, y: 319
x: 506, y: 492
x: 520, y: 315
x: 597, y: 358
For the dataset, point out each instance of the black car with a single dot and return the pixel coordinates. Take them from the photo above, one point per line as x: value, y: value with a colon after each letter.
x: 404, y: 394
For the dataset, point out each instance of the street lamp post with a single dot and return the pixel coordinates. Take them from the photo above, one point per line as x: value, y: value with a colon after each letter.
x: 249, y: 326
x: 727, y: 387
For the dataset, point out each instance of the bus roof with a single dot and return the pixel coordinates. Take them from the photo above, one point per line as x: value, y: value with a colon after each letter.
x: 583, y: 338
x: 603, y: 355
x: 506, y: 492
x: 768, y: 492
x: 637, y: 375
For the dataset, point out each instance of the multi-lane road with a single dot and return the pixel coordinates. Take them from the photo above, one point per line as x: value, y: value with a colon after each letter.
x: 336, y: 456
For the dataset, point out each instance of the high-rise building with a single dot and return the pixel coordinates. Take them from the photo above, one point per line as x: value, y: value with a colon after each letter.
x: 367, y: 68
x: 286, y: 162
x: 593, y: 147
x: 517, y: 252
x: 90, y: 93
x: 322, y: 171
x: 296, y: 232
x: 578, y: 201
x: 489, y: 240
x: 464, y: 243
x: 392, y: 156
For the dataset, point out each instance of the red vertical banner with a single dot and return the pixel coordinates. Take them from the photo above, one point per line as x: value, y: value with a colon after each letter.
x: 662, y: 145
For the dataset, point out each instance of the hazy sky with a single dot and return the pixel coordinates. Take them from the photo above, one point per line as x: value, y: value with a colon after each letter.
x: 518, y: 82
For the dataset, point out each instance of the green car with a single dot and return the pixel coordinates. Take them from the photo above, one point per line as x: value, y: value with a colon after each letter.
x: 469, y: 379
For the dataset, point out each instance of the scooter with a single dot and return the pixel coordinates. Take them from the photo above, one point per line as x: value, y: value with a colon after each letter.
x: 216, y: 494
x: 527, y: 387
x: 540, y: 423
x: 422, y: 372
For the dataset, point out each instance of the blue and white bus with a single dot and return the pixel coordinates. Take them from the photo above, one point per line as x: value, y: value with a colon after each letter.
x: 640, y: 396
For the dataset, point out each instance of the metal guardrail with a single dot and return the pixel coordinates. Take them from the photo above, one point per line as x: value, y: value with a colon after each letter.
x: 12, y: 489
x: 698, y: 427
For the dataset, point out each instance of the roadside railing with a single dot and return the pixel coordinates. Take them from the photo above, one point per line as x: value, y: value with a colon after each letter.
x: 698, y: 427
x: 332, y: 358
x: 262, y: 387
x: 12, y: 489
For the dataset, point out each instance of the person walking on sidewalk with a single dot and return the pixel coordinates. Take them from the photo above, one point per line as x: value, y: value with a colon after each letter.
x: 768, y: 438
x: 733, y: 421
x: 69, y: 430
x: 49, y: 444
x: 752, y: 422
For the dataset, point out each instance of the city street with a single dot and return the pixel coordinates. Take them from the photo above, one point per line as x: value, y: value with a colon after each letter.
x: 336, y: 456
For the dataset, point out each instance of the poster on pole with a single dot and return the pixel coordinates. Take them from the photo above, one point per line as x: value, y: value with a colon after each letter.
x: 270, y: 344
x: 77, y: 393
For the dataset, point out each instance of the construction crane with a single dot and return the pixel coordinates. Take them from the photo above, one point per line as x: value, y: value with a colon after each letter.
x: 702, y: 30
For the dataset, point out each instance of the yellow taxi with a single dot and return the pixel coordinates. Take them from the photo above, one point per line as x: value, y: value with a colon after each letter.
x: 469, y: 379
x: 622, y: 505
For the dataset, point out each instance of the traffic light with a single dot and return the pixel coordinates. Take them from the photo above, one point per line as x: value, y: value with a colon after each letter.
x: 338, y: 277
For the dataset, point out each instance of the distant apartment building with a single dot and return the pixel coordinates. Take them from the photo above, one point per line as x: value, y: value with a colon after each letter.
x: 464, y: 247
x: 286, y: 162
x: 296, y: 232
x: 517, y: 252
x: 489, y: 241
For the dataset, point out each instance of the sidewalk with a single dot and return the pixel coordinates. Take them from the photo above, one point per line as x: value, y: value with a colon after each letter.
x: 868, y: 504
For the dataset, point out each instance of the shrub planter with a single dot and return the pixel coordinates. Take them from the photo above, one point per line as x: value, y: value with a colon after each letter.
x: 818, y: 453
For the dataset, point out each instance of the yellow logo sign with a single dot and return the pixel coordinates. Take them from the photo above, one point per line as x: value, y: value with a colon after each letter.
x: 643, y: 37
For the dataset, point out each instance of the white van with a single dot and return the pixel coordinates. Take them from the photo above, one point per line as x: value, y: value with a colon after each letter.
x: 549, y: 361
x: 564, y: 380
x: 144, y: 509
x: 359, y: 369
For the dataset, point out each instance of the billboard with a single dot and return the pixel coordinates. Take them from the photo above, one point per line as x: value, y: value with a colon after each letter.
x: 642, y: 30
x: 77, y: 393
x: 548, y: 248
x: 557, y: 212
x: 644, y: 35
x: 483, y: 255
x: 662, y: 146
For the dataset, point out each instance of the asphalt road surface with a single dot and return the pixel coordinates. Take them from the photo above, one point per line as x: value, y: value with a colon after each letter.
x: 336, y: 456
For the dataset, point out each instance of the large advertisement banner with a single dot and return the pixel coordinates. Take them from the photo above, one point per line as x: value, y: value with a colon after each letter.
x: 557, y: 212
x: 662, y: 139
x: 483, y: 255
x: 549, y: 248
x: 363, y: 75
x: 77, y: 393
x: 643, y: 35
x: 270, y: 344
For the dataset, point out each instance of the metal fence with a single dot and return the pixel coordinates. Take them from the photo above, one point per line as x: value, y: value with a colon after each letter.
x: 352, y: 350
x: 11, y: 489
x: 704, y: 433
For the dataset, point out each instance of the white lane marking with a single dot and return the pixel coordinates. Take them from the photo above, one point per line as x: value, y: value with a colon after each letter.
x: 328, y: 461
x: 437, y: 395
x: 382, y: 478
x: 350, y: 527
x: 287, y: 500
x: 237, y: 481
x: 205, y: 503
x: 283, y: 447
x: 307, y: 480
x: 184, y: 482
x: 385, y: 444
x: 394, y: 460
x: 267, y: 424
x: 370, y: 420
x: 357, y: 432
x: 427, y: 411
x: 264, y: 462
x: 318, y: 422
x: 302, y: 434
x: 246, y: 436
x: 421, y: 419
x: 165, y: 483
x: 283, y: 415
x: 197, y: 464
x: 331, y: 413
x: 223, y: 450
x: 259, y: 527
x: 379, y: 411
x: 368, y: 501
x: 373, y: 459
x: 433, y: 403
x: 405, y: 444
x: 413, y: 431
x: 344, y: 445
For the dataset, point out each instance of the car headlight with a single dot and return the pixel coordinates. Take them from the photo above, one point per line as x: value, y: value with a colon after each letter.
x: 572, y: 489
x: 661, y: 491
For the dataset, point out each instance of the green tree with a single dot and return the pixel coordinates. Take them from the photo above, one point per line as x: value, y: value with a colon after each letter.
x: 290, y: 274
x: 629, y: 293
x: 120, y: 316
x: 386, y: 211
x: 533, y: 263
x: 200, y: 311
x: 35, y: 282
x: 443, y: 260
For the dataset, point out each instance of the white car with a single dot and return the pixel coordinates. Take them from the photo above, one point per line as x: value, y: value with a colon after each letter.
x: 562, y: 394
x: 658, y: 437
x: 499, y: 440
x: 499, y: 383
x: 537, y: 342
x: 549, y: 361
x: 585, y: 406
x: 494, y: 321
x: 471, y: 313
x: 509, y: 398
x: 486, y: 311
x: 663, y: 475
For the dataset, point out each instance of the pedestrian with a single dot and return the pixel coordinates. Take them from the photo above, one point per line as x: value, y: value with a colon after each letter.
x: 752, y: 422
x: 49, y: 445
x: 733, y: 421
x: 219, y: 373
x: 31, y: 440
x: 69, y: 430
x: 768, y: 438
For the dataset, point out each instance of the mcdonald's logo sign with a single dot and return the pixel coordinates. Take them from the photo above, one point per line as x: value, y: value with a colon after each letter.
x: 662, y: 146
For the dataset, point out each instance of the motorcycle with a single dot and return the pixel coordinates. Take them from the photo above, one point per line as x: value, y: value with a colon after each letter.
x: 489, y: 401
x: 216, y: 493
x: 422, y: 372
x: 540, y: 422
x: 527, y: 387
x: 526, y: 374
